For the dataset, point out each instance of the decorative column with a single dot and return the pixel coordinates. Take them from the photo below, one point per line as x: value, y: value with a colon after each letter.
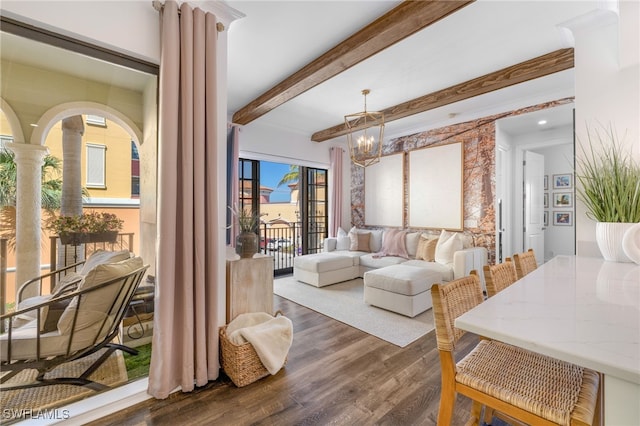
x: 71, y: 200
x: 29, y: 161
x: 72, y: 131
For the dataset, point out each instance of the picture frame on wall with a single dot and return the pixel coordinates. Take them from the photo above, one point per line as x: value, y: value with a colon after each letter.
x: 563, y: 181
x: 562, y: 199
x: 546, y: 182
x: 545, y: 218
x: 563, y: 218
x: 545, y: 199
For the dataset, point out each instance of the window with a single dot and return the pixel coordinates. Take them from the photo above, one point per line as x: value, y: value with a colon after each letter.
x: 96, y: 120
x: 135, y: 171
x: 96, y: 166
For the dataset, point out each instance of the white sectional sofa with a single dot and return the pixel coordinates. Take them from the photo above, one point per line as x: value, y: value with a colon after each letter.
x: 398, y: 267
x: 454, y: 261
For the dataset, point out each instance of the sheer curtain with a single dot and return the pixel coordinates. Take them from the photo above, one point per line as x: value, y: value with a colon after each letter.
x: 335, y: 215
x: 185, y: 335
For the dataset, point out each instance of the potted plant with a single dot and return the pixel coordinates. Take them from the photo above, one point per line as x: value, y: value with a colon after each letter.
x: 610, y: 189
x: 88, y: 227
x: 247, y: 239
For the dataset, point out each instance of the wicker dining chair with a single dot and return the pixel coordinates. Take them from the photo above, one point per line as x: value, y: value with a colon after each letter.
x: 524, y: 385
x: 525, y: 262
x: 500, y: 276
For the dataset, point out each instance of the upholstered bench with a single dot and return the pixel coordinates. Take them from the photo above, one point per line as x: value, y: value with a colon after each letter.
x: 400, y: 288
x: 322, y: 269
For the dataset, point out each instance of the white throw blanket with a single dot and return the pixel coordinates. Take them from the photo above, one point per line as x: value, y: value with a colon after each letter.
x: 271, y: 337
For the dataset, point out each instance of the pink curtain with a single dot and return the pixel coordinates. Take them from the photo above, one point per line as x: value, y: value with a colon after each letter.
x: 233, y: 199
x: 335, y: 214
x: 185, y: 335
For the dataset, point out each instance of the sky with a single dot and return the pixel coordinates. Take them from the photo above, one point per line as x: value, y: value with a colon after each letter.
x: 270, y: 175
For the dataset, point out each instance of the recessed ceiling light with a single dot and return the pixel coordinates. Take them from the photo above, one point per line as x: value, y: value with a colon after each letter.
x: 542, y: 122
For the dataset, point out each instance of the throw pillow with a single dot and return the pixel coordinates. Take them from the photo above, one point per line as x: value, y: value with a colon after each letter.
x: 360, y: 241
x: 448, y: 244
x: 342, y: 233
x: 411, y: 241
x: 96, y: 305
x: 100, y: 257
x: 426, y: 248
x: 343, y: 243
x: 393, y: 243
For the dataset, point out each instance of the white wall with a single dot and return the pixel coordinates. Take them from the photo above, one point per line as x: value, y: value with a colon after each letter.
x: 262, y: 142
x: 130, y: 27
x: 607, y: 88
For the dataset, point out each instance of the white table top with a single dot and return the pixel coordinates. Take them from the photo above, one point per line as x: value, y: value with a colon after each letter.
x: 581, y: 310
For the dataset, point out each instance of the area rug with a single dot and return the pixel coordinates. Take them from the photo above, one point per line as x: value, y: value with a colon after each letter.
x: 344, y: 302
x: 26, y: 402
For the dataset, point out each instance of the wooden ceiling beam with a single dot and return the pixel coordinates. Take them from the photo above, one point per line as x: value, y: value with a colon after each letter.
x: 541, y: 66
x: 402, y: 21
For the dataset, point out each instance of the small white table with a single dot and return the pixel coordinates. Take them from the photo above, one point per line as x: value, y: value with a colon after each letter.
x: 581, y: 310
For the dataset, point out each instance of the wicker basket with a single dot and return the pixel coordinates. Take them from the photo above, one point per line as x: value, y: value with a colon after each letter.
x: 240, y: 362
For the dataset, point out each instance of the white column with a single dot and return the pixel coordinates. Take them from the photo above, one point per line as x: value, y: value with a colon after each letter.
x: 29, y: 160
x: 72, y: 131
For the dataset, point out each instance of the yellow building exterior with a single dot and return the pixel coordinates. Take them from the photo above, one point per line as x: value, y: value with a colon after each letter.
x: 114, y: 197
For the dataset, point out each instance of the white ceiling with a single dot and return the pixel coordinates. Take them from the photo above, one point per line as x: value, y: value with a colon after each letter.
x: 276, y: 38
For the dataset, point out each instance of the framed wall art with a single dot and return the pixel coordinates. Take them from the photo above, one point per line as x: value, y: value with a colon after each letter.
x: 563, y: 199
x: 384, y: 193
x: 563, y: 181
x: 436, y: 187
x: 563, y: 218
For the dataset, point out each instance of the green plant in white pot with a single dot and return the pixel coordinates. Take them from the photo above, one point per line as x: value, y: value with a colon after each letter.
x: 609, y: 187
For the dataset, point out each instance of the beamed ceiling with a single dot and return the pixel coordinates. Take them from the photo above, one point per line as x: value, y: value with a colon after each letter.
x: 301, y: 66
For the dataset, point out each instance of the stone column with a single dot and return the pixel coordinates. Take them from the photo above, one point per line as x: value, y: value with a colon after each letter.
x: 72, y: 131
x: 29, y: 160
x: 71, y: 201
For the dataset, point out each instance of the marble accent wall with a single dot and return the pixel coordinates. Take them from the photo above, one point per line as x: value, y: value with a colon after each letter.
x: 478, y: 138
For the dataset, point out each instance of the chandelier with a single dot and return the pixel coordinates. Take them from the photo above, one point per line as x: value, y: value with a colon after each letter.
x: 362, y: 128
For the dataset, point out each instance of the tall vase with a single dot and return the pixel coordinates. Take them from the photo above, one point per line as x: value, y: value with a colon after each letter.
x: 609, y: 237
x: 247, y: 244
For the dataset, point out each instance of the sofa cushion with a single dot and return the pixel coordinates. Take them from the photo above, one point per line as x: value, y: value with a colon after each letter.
x: 426, y: 248
x: 360, y: 241
x: 401, y: 279
x: 353, y: 255
x: 393, y: 244
x: 446, y: 271
x: 322, y: 262
x: 448, y: 243
x: 369, y: 261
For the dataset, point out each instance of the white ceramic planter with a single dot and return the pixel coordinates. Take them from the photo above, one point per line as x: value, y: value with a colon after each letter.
x: 631, y: 243
x: 609, y: 237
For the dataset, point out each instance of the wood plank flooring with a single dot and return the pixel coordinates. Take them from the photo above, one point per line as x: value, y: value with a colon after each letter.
x: 335, y: 375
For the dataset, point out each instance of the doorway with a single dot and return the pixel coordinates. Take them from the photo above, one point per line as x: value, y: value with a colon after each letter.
x: 554, y: 141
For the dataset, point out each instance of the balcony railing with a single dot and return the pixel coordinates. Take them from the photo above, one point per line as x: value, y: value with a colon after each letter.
x: 285, y: 243
x: 73, y: 254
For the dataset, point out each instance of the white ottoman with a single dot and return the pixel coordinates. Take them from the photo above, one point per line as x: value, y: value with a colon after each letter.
x: 402, y: 289
x: 322, y: 269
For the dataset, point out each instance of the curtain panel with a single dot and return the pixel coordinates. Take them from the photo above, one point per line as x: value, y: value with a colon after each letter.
x: 185, y: 336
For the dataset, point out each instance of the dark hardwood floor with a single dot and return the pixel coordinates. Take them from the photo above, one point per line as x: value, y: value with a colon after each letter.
x: 335, y: 375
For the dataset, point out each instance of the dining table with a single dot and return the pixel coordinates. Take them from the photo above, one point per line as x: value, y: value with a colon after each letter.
x: 582, y: 310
